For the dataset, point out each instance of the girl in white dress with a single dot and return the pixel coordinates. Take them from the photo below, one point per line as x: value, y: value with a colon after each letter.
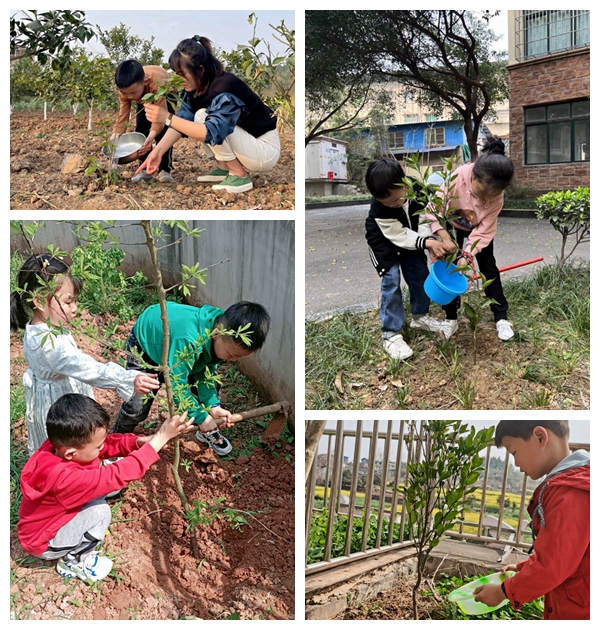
x: 56, y: 365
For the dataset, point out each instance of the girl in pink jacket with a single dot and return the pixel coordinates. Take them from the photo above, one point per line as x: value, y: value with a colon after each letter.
x: 478, y: 198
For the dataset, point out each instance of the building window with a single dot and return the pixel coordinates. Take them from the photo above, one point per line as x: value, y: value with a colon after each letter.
x: 396, y: 139
x: 557, y: 133
x: 411, y: 118
x: 435, y: 137
x: 542, y: 33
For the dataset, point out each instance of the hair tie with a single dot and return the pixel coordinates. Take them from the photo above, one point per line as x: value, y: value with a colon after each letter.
x: 198, y: 38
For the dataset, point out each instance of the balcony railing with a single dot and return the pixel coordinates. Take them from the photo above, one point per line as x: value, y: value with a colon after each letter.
x: 379, y: 510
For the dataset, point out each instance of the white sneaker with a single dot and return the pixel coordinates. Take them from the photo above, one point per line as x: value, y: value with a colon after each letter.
x: 142, y: 177
x: 448, y: 327
x: 397, y: 348
x: 93, y: 568
x: 505, y: 330
x: 426, y: 323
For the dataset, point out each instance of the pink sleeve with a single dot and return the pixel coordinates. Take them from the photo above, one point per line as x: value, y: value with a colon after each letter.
x: 483, y: 233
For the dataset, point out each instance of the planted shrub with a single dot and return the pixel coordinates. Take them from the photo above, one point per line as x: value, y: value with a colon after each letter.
x: 569, y: 213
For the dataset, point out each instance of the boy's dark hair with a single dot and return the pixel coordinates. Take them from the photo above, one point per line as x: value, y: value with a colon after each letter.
x: 195, y: 56
x: 524, y: 429
x: 37, y: 272
x: 129, y: 72
x: 493, y: 168
x: 73, y: 419
x: 239, y: 315
x: 383, y: 176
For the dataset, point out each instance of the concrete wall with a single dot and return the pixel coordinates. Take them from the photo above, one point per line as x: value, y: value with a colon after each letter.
x: 261, y: 269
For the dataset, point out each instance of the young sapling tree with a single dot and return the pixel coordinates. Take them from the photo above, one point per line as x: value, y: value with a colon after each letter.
x: 443, y: 466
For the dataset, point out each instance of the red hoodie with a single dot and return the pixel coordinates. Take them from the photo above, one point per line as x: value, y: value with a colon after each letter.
x: 560, y: 566
x: 55, y: 489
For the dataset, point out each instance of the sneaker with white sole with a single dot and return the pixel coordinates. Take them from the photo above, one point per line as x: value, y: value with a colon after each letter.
x: 93, y: 568
x: 216, y: 175
x: 219, y: 443
x: 234, y: 184
x: 142, y: 177
x: 397, y: 348
x: 165, y: 178
x: 448, y: 327
x: 426, y: 323
x: 505, y: 330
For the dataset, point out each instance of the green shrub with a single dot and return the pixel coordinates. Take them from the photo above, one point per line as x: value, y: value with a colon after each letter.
x: 106, y: 289
x: 569, y: 213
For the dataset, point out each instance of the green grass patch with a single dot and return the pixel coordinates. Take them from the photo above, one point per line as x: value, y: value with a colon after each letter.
x: 546, y: 366
x: 335, y: 198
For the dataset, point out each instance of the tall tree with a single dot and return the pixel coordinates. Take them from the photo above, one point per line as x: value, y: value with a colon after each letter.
x: 121, y: 45
x: 48, y: 35
x: 339, y: 95
x: 446, y: 55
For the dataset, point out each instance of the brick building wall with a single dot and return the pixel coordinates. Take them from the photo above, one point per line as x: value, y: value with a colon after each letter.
x: 539, y: 82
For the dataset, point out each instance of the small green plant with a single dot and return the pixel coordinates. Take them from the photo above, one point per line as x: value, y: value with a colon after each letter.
x: 187, y: 464
x: 169, y: 90
x: 569, y: 214
x: 107, y: 175
x: 205, y: 512
x: 443, y: 466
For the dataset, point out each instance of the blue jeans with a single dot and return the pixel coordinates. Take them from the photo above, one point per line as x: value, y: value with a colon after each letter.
x: 414, y: 270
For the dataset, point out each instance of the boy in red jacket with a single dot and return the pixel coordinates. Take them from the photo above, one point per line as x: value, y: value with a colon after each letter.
x: 63, y: 514
x: 560, y: 510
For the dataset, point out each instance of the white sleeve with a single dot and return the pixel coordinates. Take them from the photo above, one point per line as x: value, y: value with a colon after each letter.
x: 64, y: 357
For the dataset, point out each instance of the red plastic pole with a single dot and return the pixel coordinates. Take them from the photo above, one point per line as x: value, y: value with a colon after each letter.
x: 515, y: 266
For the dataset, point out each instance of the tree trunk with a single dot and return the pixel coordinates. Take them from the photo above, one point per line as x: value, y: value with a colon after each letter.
x: 164, y: 366
x: 314, y: 431
x: 90, y: 121
x: 45, y: 110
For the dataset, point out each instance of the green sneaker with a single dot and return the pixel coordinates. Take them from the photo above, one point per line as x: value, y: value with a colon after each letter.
x: 234, y: 184
x: 216, y: 175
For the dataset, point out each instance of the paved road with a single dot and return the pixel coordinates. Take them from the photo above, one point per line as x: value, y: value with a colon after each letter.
x: 340, y: 276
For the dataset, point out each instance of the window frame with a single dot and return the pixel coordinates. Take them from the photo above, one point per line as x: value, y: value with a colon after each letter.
x: 547, y: 124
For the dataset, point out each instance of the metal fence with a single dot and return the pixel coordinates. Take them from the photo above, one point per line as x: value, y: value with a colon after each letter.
x: 356, y: 517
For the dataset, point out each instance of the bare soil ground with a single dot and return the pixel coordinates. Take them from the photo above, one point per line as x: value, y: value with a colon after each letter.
x: 38, y: 148
x: 245, y: 573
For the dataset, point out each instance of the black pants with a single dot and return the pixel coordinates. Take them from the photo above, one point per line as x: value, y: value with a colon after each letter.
x: 135, y: 410
x: 488, y: 267
x: 143, y: 125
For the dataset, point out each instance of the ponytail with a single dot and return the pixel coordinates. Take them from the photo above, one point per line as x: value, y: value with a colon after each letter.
x: 196, y: 57
x: 494, y: 168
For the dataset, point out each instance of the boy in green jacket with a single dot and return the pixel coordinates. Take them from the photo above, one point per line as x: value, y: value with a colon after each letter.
x: 198, y: 343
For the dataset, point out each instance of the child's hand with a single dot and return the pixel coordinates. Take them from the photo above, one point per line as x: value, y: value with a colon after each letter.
x: 145, y: 383
x: 218, y: 418
x: 175, y: 426
x: 156, y: 114
x: 171, y: 428
x: 436, y: 248
x: 510, y: 567
x: 222, y: 417
x: 449, y: 245
x: 146, y: 147
x: 490, y: 595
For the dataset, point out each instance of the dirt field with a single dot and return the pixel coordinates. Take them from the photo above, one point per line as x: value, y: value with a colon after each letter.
x: 242, y: 573
x: 38, y: 148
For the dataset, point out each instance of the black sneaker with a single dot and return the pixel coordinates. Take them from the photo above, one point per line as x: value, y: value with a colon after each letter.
x: 219, y: 443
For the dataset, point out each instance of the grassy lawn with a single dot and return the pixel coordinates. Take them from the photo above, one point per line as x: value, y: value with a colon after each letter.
x: 546, y: 366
